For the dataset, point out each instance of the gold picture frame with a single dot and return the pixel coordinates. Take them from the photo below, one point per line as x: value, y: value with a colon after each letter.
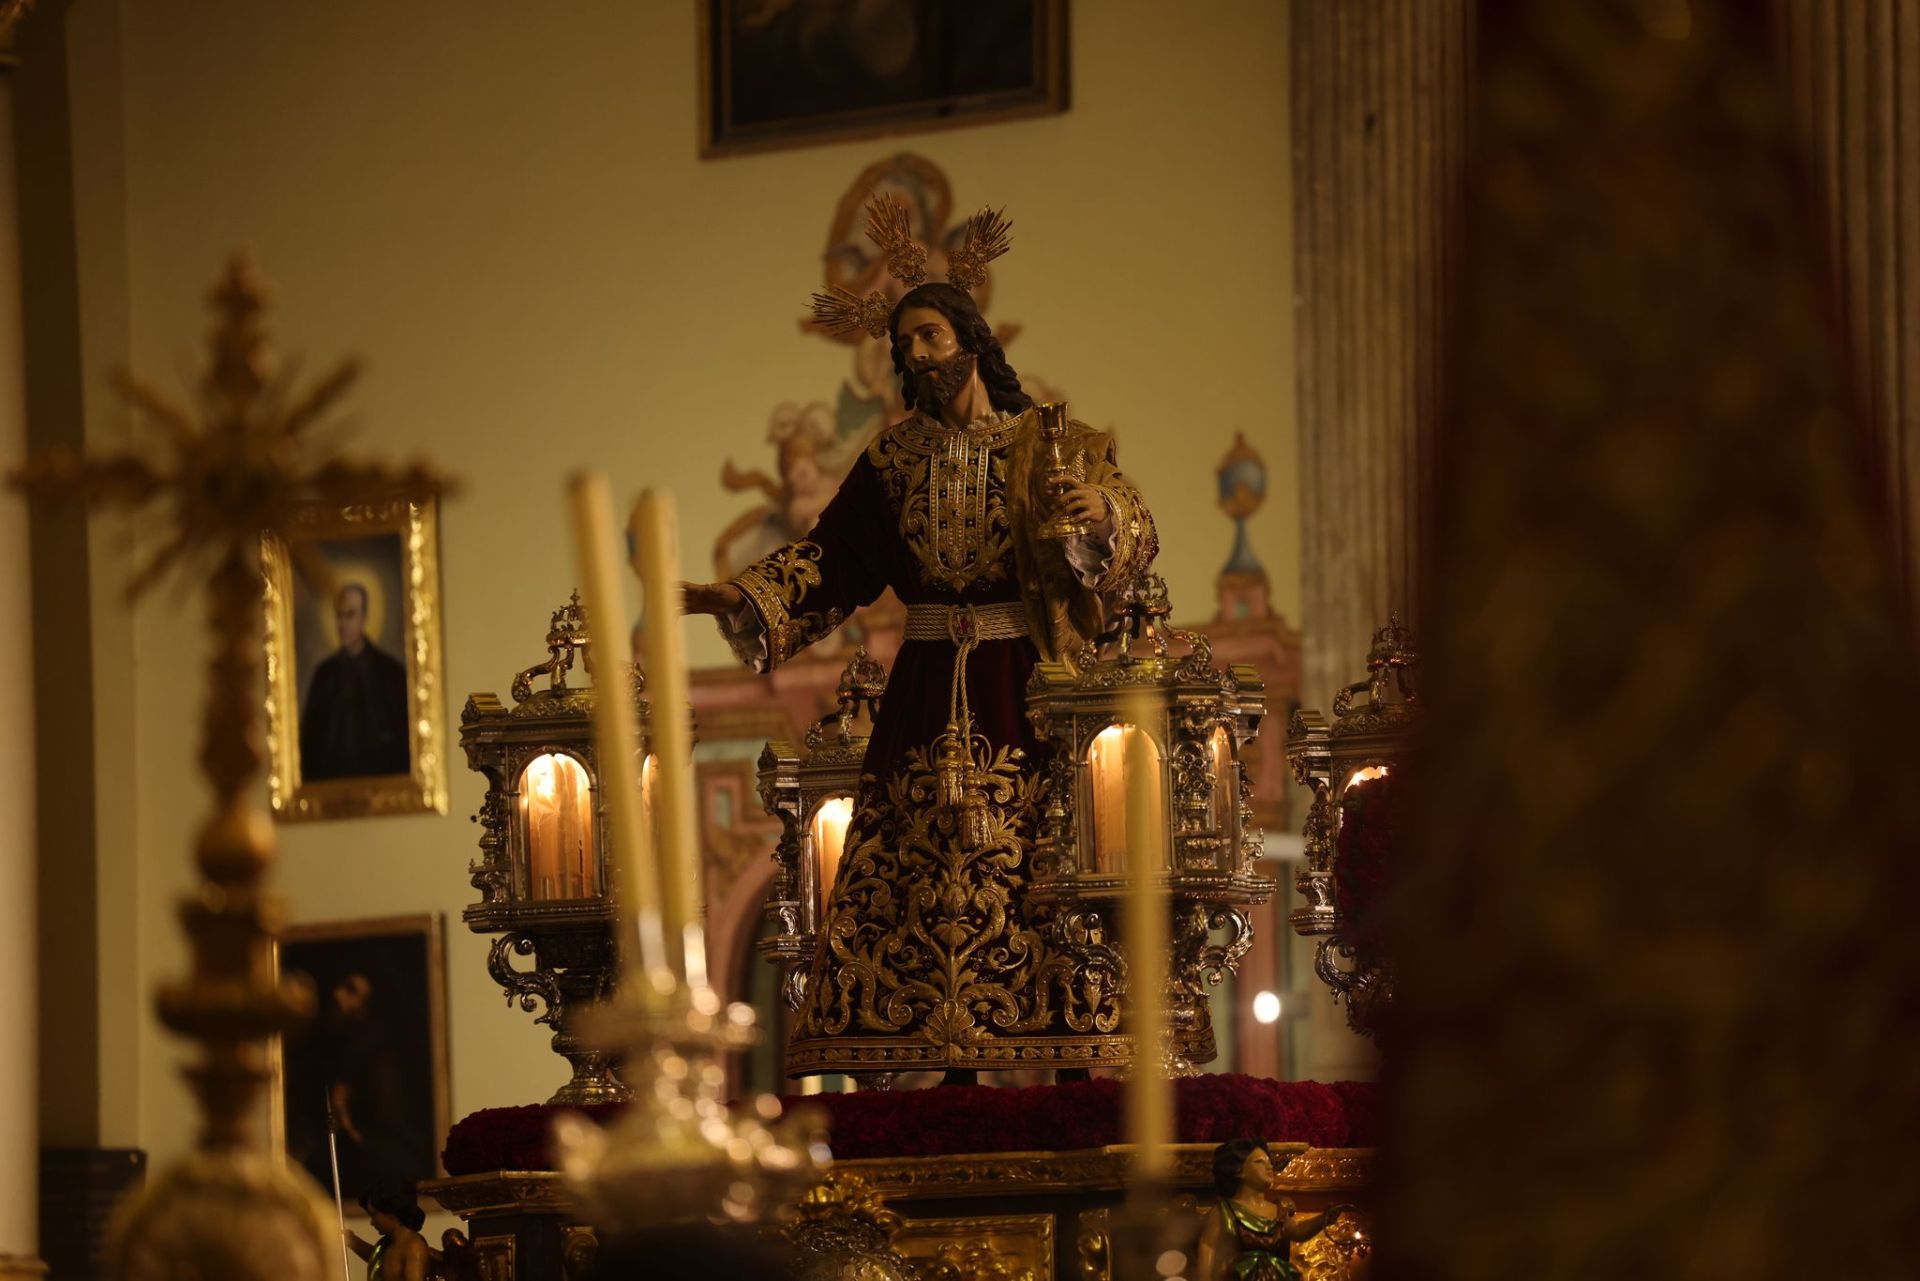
x: 402, y: 1021
x: 390, y: 551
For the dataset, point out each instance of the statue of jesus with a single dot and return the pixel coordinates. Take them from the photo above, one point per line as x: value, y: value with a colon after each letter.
x: 929, y: 955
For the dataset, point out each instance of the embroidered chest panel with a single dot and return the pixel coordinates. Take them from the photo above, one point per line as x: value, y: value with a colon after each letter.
x: 948, y: 488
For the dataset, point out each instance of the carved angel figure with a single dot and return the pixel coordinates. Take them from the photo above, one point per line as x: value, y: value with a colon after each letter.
x: 1250, y: 1234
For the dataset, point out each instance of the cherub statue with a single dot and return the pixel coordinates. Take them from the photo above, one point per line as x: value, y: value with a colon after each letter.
x: 1249, y: 1235
x: 401, y: 1253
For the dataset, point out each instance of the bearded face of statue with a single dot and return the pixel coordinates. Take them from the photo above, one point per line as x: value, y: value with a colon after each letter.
x: 937, y: 365
x: 937, y: 387
x: 934, y: 323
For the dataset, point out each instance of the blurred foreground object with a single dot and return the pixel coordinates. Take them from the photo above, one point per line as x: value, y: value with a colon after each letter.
x: 675, y: 1157
x: 235, y: 468
x: 1658, y: 1009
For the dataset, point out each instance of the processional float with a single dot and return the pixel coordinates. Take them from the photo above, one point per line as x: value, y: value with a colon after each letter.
x: 1145, y: 871
x: 1147, y: 834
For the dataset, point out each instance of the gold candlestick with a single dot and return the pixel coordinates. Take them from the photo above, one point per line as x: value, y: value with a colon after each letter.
x: 641, y: 939
x: 1059, y: 477
x: 657, y: 558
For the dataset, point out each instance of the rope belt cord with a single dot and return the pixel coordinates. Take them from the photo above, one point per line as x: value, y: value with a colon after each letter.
x: 966, y: 626
x: 1003, y: 620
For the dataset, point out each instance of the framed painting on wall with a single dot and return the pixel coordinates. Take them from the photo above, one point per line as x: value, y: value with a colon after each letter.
x: 375, y: 1054
x: 783, y: 73
x: 356, y: 723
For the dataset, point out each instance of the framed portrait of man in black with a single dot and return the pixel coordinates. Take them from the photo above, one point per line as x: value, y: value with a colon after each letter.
x: 784, y: 73
x: 356, y: 721
x: 365, y: 1083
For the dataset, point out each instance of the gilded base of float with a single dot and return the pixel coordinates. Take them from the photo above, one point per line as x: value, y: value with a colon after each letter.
x: 994, y: 1215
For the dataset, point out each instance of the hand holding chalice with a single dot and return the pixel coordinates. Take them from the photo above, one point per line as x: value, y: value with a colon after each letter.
x: 1077, y: 506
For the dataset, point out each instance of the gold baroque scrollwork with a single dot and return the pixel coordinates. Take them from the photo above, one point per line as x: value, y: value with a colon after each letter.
x: 1010, y: 1247
x: 841, y: 1229
x: 1092, y: 1237
x: 949, y: 486
x: 495, y: 1255
x: 1135, y: 540
x: 777, y: 585
x: 469, y: 1195
x: 929, y: 957
x: 579, y: 1252
x: 1340, y: 1253
x: 1304, y: 1170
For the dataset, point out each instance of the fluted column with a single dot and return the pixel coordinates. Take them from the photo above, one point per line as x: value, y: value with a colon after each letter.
x: 1379, y: 121
x: 1854, y: 72
x: 19, y: 1020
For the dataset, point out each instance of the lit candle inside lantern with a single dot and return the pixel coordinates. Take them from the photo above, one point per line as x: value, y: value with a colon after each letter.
x: 556, y: 819
x: 1149, y: 1093
x: 657, y: 558
x: 617, y: 735
x: 1116, y: 784
x: 829, y: 840
x: 1226, y: 795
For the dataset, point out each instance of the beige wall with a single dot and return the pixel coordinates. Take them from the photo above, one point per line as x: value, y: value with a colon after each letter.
x: 500, y: 206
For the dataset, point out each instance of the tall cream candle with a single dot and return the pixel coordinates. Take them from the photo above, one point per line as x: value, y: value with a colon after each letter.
x: 616, y: 730
x: 1149, y: 1092
x: 656, y: 542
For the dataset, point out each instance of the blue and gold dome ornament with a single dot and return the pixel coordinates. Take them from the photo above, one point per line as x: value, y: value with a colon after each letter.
x: 1242, y: 480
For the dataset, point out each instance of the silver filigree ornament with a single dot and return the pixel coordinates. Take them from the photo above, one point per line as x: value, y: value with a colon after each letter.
x: 677, y: 1155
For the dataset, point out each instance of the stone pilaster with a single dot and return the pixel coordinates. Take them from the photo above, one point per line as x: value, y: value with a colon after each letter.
x: 1379, y: 136
x: 19, y: 992
x: 1379, y: 127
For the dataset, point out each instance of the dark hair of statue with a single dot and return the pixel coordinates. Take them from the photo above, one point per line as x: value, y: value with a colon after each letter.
x: 975, y: 335
x: 398, y: 1200
x: 1230, y: 1158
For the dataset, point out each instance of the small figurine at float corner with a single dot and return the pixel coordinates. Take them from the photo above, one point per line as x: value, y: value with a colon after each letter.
x: 1248, y: 1236
x: 401, y: 1253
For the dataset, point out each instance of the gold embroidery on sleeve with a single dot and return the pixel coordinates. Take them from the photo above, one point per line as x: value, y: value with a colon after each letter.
x: 1135, y: 541
x: 777, y: 584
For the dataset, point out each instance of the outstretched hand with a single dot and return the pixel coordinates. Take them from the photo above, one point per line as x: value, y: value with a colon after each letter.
x: 709, y: 598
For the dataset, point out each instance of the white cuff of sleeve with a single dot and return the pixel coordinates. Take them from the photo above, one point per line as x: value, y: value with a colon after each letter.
x: 1090, y: 553
x: 745, y: 635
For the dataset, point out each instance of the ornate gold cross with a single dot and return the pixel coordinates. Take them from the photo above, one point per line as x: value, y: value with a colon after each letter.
x: 234, y: 468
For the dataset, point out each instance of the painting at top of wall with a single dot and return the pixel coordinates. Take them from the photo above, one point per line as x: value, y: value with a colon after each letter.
x: 784, y: 73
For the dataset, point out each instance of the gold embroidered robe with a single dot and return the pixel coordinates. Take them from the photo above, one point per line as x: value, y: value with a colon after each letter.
x: 928, y: 954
